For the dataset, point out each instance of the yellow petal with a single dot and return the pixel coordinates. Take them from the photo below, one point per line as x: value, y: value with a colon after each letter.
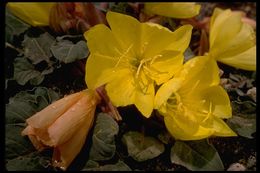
x: 219, y: 100
x: 221, y: 128
x: 97, y: 66
x: 181, y: 127
x: 125, y: 28
x: 243, y: 41
x: 226, y: 25
x: 164, y: 92
x: 104, y: 52
x: 238, y: 49
x: 156, y: 38
x: 35, y: 14
x: 175, y: 10
x: 199, y: 73
x: 165, y: 66
x: 121, y: 90
x: 245, y: 60
x: 147, y: 39
x: 101, y: 40
x: 144, y: 101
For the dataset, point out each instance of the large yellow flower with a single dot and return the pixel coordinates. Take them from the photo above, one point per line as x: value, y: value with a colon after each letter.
x: 131, y: 57
x: 231, y: 41
x: 33, y: 13
x: 173, y: 9
x: 193, y: 104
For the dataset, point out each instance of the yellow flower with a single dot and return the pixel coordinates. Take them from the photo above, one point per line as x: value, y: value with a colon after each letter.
x: 173, y: 9
x: 232, y: 41
x: 131, y: 57
x: 35, y: 14
x: 193, y: 104
x: 63, y: 125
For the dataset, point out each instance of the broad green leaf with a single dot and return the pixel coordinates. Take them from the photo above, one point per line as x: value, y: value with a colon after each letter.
x: 19, y: 152
x: 30, y: 162
x: 94, y: 166
x: 196, y: 156
x: 244, y: 125
x: 165, y: 137
x: 67, y: 52
x: 243, y: 121
x: 24, y: 72
x: 16, y: 144
x: 13, y: 26
x: 38, y: 49
x: 103, y: 139
x: 142, y: 147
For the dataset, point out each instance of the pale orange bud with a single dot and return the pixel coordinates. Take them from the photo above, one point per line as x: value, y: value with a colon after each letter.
x: 63, y: 125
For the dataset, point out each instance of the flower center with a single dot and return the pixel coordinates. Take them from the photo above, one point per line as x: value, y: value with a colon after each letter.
x: 174, y: 102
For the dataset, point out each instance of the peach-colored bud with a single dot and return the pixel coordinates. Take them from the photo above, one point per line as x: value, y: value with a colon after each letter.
x: 63, y: 125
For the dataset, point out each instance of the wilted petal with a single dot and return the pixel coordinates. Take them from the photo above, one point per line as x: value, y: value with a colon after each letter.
x: 68, y: 124
x: 54, y: 111
x: 65, y: 153
x: 65, y: 129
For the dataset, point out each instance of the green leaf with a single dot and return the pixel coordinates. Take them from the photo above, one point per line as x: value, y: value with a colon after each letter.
x: 19, y: 152
x: 30, y: 162
x: 38, y: 49
x: 141, y: 147
x: 24, y: 71
x: 16, y: 144
x: 94, y: 166
x: 67, y: 52
x: 196, y: 156
x: 103, y: 139
x: 13, y: 26
x: 244, y: 125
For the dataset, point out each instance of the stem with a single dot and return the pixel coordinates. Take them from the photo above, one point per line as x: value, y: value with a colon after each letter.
x: 111, y: 108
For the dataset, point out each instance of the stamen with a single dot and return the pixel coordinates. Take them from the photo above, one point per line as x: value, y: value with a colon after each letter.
x: 209, y: 113
x: 139, y: 68
x: 123, y: 54
x: 154, y: 58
